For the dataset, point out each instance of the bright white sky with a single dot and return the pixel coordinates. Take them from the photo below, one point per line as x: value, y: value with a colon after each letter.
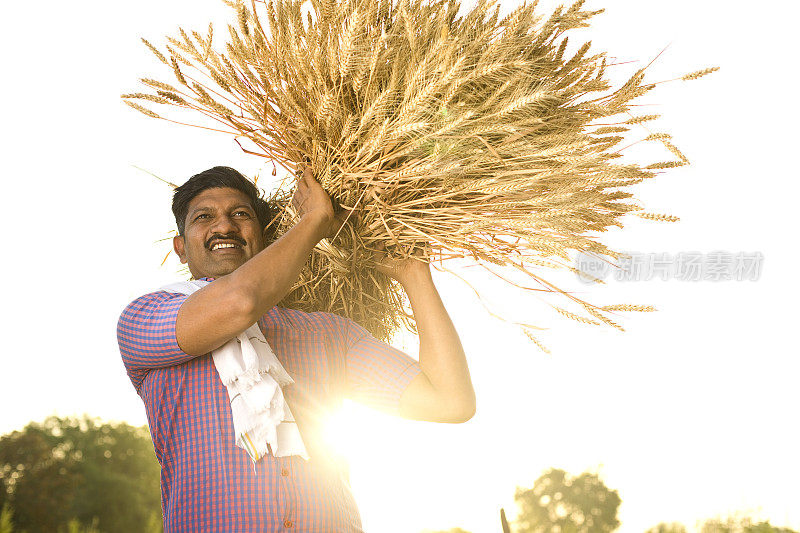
x: 689, y: 414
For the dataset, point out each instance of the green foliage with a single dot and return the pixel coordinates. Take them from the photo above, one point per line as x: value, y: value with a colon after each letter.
x: 766, y: 527
x: 79, y: 475
x: 5, y: 519
x: 73, y: 526
x: 559, y: 502
x: 673, y: 527
x: 718, y: 526
x: 740, y: 525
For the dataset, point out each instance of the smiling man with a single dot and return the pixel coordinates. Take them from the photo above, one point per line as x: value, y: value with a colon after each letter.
x: 172, y: 342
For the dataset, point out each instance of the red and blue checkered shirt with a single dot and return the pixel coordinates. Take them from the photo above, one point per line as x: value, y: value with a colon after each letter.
x: 210, y: 484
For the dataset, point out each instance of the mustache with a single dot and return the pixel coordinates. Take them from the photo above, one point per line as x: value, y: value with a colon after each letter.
x: 234, y: 238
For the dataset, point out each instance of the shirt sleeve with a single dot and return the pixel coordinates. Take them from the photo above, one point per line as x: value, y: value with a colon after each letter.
x: 376, y: 373
x: 146, y: 334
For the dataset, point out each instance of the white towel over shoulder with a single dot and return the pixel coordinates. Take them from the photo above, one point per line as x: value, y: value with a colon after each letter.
x: 254, y: 376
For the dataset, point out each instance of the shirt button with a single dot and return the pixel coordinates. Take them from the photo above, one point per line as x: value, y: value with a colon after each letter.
x: 287, y: 524
x: 284, y: 473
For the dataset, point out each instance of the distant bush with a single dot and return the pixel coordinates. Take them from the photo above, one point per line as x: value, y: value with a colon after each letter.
x: 79, y: 475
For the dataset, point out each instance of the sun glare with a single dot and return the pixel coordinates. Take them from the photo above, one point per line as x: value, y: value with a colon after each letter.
x: 376, y: 462
x: 340, y: 431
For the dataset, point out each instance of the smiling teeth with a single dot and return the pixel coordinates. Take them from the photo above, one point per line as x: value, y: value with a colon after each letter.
x: 223, y: 245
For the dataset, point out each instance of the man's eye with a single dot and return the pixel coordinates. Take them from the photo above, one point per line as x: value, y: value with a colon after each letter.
x: 242, y: 214
x: 202, y: 215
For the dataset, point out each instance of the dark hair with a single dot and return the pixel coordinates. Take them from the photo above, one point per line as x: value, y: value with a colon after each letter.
x: 218, y: 177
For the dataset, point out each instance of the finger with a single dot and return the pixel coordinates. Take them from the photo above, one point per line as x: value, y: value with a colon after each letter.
x: 298, y: 200
x: 299, y: 172
x: 308, y: 177
x: 388, y: 268
x: 381, y: 266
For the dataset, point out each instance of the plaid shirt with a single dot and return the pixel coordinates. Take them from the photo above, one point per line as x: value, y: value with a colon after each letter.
x: 210, y: 484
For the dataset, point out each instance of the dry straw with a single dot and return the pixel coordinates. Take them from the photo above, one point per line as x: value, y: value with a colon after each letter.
x: 443, y: 135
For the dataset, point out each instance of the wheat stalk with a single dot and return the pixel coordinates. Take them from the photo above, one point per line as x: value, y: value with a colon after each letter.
x: 462, y: 136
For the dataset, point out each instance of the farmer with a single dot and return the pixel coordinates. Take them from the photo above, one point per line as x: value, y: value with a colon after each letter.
x: 176, y: 343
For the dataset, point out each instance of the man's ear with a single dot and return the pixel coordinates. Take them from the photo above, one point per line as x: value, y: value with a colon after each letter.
x: 180, y: 247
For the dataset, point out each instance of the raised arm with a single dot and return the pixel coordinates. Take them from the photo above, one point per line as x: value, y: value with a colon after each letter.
x: 443, y: 391
x: 234, y: 302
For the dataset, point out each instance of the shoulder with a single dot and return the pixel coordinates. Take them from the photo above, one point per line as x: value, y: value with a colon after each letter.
x: 317, y: 321
x: 152, y: 304
x: 155, y: 296
x: 345, y: 332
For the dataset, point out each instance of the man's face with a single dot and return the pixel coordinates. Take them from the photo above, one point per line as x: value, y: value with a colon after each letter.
x: 221, y: 233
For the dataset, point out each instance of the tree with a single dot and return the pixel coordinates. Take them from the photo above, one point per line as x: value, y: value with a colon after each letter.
x: 663, y: 527
x: 5, y: 519
x: 67, y: 474
x: 740, y: 525
x: 560, y: 503
x: 766, y: 527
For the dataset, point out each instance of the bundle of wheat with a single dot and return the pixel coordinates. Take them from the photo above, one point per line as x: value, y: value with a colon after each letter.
x: 443, y: 135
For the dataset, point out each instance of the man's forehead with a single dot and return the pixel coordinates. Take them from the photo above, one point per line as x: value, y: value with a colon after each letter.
x: 219, y: 198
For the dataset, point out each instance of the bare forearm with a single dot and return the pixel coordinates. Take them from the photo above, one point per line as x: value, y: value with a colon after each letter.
x: 451, y: 397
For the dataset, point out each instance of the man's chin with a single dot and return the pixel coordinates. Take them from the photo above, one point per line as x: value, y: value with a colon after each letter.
x: 217, y: 270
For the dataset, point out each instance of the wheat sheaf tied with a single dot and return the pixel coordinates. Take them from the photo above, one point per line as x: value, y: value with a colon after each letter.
x: 444, y: 135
